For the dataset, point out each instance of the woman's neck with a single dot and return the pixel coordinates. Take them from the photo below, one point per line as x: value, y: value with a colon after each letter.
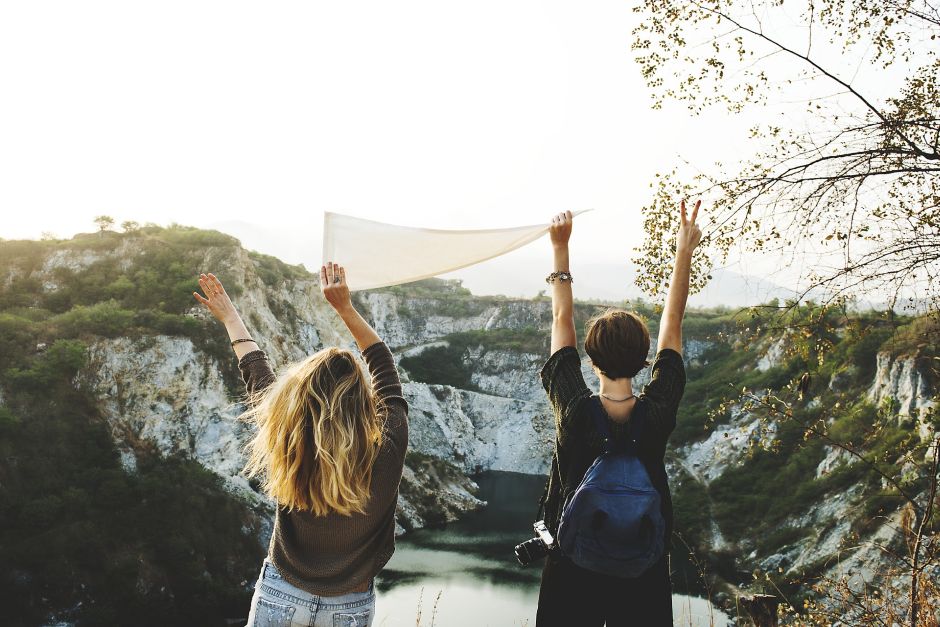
x: 616, y: 388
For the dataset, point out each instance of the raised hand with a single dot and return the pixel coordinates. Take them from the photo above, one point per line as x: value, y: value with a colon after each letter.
x: 563, y: 331
x: 334, y: 287
x: 688, y: 237
x: 216, y: 300
x: 560, y: 230
x: 689, y: 234
x: 336, y: 291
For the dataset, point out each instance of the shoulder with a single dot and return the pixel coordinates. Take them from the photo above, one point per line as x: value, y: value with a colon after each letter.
x: 668, y: 357
x: 378, y: 352
x: 563, y: 382
x: 668, y: 366
x: 667, y: 380
x: 564, y: 360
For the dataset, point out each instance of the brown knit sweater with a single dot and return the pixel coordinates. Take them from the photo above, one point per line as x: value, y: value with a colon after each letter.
x: 332, y: 555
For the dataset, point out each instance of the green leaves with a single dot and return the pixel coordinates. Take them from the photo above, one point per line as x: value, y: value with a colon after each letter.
x: 655, y: 257
x: 849, y: 176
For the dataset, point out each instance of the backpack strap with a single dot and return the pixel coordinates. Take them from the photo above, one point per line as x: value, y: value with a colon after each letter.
x: 550, y: 494
x: 549, y: 486
x: 600, y: 423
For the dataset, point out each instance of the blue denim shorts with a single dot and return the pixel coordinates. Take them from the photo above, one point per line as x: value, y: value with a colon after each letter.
x: 277, y: 603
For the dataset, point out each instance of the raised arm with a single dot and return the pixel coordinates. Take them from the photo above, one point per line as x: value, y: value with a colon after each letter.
x: 563, y: 331
x: 218, y: 303
x: 689, y: 236
x: 379, y: 359
x: 255, y: 369
x: 334, y: 288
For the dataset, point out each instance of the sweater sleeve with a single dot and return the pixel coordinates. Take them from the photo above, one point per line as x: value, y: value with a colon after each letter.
x: 256, y: 372
x: 662, y: 395
x: 563, y: 382
x: 387, y: 386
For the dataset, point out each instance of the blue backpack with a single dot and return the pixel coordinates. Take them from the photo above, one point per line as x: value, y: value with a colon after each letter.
x: 612, y: 523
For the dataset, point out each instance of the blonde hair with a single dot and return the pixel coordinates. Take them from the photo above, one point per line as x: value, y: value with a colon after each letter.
x: 318, y: 434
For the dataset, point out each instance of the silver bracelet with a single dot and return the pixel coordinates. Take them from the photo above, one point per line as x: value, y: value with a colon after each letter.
x: 561, y: 275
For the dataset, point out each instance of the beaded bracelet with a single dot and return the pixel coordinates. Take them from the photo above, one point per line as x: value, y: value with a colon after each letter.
x: 243, y: 339
x: 561, y: 275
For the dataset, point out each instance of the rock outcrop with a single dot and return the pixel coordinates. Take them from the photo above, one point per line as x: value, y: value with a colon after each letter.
x: 902, y: 383
x: 164, y: 393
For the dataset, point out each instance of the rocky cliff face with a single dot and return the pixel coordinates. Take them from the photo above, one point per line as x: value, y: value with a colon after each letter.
x: 902, y: 382
x: 163, y: 392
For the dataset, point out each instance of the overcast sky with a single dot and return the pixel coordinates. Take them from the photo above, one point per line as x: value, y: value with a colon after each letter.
x: 256, y: 118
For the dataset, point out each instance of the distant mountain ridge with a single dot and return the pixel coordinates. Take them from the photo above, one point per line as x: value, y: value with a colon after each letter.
x: 522, y: 274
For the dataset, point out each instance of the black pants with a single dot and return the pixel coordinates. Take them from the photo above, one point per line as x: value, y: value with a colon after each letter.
x: 571, y: 596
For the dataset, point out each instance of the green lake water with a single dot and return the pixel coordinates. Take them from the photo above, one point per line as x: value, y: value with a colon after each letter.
x: 465, y: 575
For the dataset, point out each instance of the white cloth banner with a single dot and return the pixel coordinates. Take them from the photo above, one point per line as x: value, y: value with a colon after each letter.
x: 376, y: 254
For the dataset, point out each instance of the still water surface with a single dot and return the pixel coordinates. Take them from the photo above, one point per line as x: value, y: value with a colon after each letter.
x: 466, y: 575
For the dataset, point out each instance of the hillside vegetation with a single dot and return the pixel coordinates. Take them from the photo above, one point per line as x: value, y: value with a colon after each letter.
x: 79, y: 534
x: 91, y: 537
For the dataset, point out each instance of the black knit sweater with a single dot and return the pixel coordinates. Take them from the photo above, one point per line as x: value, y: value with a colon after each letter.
x: 577, y: 443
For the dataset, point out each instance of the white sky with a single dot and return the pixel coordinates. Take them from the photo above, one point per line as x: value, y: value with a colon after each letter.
x: 237, y: 115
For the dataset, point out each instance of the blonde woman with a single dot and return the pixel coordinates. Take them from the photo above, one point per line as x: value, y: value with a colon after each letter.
x: 329, y: 447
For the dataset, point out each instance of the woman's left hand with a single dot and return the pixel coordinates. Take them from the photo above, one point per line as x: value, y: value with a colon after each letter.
x: 560, y: 230
x: 216, y: 300
x: 333, y: 285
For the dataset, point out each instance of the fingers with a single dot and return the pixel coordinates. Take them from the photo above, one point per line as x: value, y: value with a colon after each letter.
x: 201, y: 299
x: 560, y: 219
x: 685, y: 217
x: 332, y: 274
x: 216, y: 283
x: 209, y: 287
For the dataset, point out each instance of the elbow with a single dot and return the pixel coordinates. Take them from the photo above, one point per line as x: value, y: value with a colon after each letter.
x: 562, y: 315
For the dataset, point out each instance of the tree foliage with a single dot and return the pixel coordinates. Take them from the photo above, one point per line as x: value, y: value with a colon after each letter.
x: 104, y: 222
x: 83, y: 538
x: 852, y: 177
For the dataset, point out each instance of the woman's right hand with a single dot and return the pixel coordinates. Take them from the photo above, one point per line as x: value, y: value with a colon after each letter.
x: 333, y: 285
x: 689, y: 234
x: 560, y: 230
x: 216, y: 300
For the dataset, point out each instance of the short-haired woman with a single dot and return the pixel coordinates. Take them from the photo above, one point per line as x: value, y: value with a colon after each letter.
x: 618, y: 344
x: 329, y: 447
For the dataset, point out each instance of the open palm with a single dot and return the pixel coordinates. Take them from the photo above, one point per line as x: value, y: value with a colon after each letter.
x: 216, y: 300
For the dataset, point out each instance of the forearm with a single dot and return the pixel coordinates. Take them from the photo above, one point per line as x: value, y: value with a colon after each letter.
x: 237, y: 330
x: 670, y: 332
x: 561, y: 290
x: 563, y: 331
x: 361, y: 330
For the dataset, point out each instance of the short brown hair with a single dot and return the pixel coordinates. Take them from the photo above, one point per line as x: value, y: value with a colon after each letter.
x: 618, y: 343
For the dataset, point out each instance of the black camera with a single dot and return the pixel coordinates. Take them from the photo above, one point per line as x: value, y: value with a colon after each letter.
x: 536, y: 548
